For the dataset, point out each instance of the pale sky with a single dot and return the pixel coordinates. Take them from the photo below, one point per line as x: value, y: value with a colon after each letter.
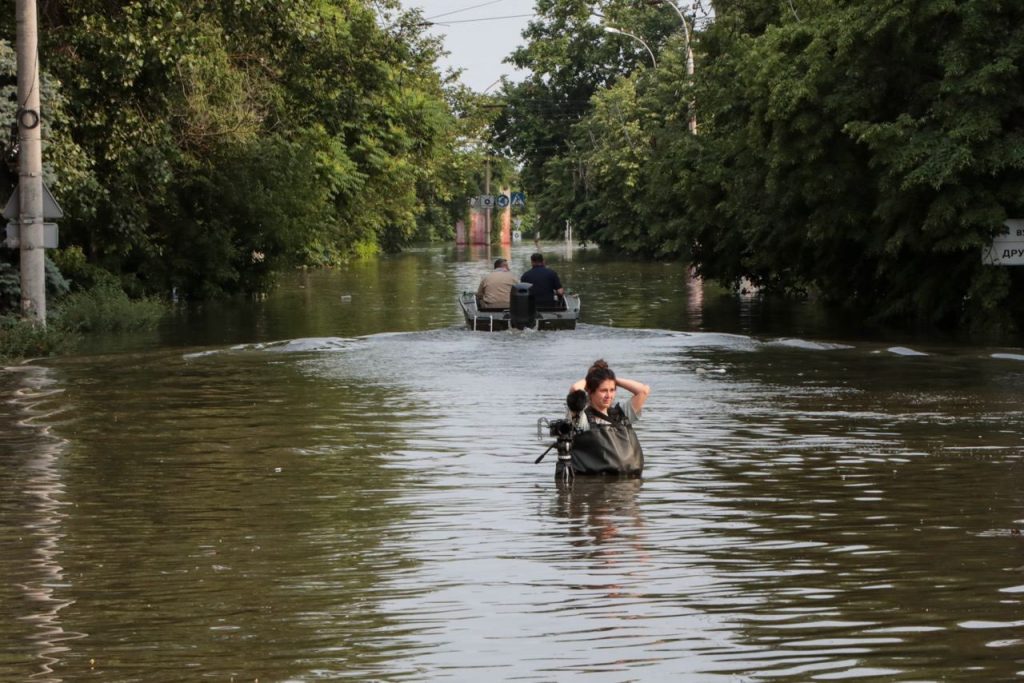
x: 478, y: 34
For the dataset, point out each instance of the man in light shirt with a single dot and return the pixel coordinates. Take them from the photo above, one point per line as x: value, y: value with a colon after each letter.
x: 496, y: 287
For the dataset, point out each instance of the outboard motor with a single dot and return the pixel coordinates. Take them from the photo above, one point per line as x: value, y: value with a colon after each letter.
x: 522, y: 308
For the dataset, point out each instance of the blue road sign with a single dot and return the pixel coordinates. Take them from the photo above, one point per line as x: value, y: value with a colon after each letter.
x: 518, y: 199
x: 502, y: 200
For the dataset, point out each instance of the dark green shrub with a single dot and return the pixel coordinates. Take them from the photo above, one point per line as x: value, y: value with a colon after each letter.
x: 10, y: 285
x: 10, y: 288
x: 79, y: 272
x: 21, y: 338
x: 107, y: 308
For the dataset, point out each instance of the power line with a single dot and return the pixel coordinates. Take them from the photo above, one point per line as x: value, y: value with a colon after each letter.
x: 464, y: 9
x: 470, y: 21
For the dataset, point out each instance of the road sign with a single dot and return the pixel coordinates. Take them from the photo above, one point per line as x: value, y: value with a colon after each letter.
x: 13, y: 240
x: 486, y: 201
x: 518, y: 199
x: 502, y: 201
x: 1007, y: 249
x: 51, y: 209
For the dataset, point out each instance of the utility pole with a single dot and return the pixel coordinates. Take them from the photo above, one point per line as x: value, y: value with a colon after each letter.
x: 30, y: 166
x: 487, y: 193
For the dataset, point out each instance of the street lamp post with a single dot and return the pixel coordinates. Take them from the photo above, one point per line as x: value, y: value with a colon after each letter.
x: 612, y: 29
x: 689, y: 60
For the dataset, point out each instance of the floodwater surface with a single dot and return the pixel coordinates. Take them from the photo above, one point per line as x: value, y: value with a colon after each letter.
x: 338, y: 482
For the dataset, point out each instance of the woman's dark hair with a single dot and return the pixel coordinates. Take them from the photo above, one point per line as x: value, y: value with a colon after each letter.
x: 598, y: 373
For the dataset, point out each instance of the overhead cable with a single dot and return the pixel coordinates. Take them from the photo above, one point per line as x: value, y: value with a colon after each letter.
x: 471, y: 21
x: 464, y: 9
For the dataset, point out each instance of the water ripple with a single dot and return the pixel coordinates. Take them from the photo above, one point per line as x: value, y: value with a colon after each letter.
x: 369, y: 509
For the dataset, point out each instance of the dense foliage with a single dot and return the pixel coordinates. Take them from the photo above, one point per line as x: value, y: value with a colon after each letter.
x: 204, y: 146
x: 861, y: 151
x: 865, y: 151
x: 21, y: 338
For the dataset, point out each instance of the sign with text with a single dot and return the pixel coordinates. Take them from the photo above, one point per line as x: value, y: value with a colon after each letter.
x: 1007, y: 249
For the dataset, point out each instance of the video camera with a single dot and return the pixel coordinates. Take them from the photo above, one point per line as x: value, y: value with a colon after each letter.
x: 562, y: 430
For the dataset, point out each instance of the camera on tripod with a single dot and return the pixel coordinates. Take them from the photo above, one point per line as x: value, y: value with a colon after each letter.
x: 560, y: 429
x: 564, y: 430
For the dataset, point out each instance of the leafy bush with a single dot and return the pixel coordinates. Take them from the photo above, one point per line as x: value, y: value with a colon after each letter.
x: 22, y: 338
x: 106, y: 307
x: 10, y: 285
x: 79, y: 272
x: 56, y: 284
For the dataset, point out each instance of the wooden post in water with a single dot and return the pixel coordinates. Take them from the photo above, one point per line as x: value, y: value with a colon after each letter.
x: 30, y: 166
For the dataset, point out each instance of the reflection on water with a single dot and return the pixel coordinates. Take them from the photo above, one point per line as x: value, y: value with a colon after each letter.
x: 33, y: 573
x: 357, y: 499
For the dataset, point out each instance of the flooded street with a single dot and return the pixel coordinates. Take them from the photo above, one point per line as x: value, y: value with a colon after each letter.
x: 338, y: 482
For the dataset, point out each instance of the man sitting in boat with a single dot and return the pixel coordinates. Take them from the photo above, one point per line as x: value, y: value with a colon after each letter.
x: 547, y: 288
x: 495, y: 288
x: 604, y: 440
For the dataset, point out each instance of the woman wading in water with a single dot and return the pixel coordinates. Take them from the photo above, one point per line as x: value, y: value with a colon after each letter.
x: 604, y: 442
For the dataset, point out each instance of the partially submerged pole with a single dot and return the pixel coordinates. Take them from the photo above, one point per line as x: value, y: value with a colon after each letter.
x: 30, y: 166
x: 487, y: 193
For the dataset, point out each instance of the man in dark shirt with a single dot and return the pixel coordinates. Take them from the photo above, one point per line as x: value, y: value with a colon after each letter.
x: 547, y: 288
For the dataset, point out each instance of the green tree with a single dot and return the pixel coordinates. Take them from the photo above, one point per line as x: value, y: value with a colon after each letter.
x: 870, y: 151
x: 864, y: 151
x: 226, y: 140
x: 570, y: 58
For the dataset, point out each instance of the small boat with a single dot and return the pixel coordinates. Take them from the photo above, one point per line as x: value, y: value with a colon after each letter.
x: 521, y: 314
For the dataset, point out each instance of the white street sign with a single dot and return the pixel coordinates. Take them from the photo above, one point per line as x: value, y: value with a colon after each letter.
x: 1006, y: 249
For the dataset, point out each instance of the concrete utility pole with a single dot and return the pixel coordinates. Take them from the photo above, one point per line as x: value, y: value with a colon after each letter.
x: 30, y: 166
